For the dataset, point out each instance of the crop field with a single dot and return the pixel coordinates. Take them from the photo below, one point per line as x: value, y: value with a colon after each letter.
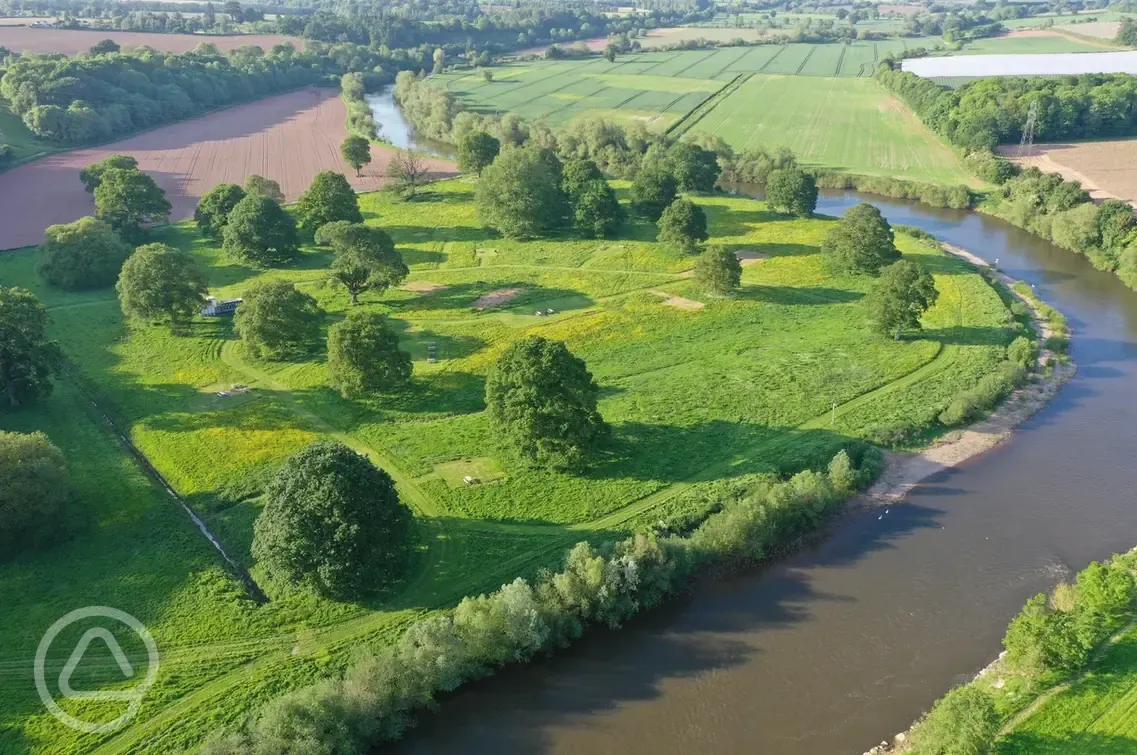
x: 658, y: 88
x: 287, y: 138
x: 846, y: 123
x: 1032, y: 41
x: 23, y: 39
x: 770, y: 381
x: 1094, y: 716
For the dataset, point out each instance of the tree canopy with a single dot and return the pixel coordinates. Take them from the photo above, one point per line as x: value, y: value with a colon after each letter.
x: 407, y: 171
x: 127, y: 199
x: 365, y: 258
x: 476, y: 150
x: 364, y: 357
x: 356, y: 152
x: 212, y: 213
x: 276, y: 320
x: 903, y: 293
x: 860, y: 242
x: 520, y: 193
x: 543, y: 401
x: 792, y: 191
x: 81, y: 255
x: 328, y: 199
x: 595, y: 210
x: 683, y: 226
x: 718, y: 271
x: 264, y: 187
x: 161, y: 283
x: 333, y: 523
x: 261, y: 232
x: 694, y: 168
x: 28, y: 361
x: 653, y: 190
x: 34, y: 492
x: 93, y: 173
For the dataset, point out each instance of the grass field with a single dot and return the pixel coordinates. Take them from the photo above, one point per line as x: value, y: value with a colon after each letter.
x: 847, y: 123
x: 1040, y: 43
x: 24, y: 143
x: 699, y: 401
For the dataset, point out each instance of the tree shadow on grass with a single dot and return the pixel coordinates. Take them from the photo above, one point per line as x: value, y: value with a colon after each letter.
x: 412, y: 234
x: 1083, y: 742
x: 968, y: 335
x: 414, y: 257
x: 795, y: 295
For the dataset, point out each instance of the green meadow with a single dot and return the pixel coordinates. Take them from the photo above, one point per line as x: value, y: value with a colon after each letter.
x: 704, y: 398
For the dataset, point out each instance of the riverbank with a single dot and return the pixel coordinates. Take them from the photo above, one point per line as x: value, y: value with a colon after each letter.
x: 904, y: 471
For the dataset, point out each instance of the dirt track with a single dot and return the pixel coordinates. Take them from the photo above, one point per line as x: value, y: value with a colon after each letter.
x: 288, y: 138
x: 72, y: 41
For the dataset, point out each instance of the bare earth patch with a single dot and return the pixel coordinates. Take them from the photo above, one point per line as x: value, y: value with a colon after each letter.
x: 288, y: 138
x: 679, y: 302
x: 747, y: 257
x: 1106, y: 169
x: 423, y: 287
x: 496, y: 298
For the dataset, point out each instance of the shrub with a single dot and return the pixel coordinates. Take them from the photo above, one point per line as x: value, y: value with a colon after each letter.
x: 718, y: 270
x: 962, y: 722
x: 34, y: 493
x: 1023, y: 351
x: 990, y: 388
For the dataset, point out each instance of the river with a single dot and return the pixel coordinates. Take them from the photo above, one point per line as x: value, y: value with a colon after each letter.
x: 842, y: 645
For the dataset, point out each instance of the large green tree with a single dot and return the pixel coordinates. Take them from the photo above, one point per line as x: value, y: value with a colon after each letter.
x: 900, y: 296
x: 683, y: 226
x: 84, y: 254
x: 260, y: 232
x: 694, y: 168
x: 791, y: 191
x: 860, y: 242
x: 476, y: 150
x: 329, y: 198
x: 520, y: 193
x: 129, y: 199
x: 543, y: 401
x: 28, y: 361
x: 212, y: 213
x: 333, y: 523
x: 365, y: 259
x: 34, y: 492
x: 653, y: 190
x: 92, y: 175
x: 718, y: 270
x: 364, y: 357
x: 276, y: 320
x: 356, y: 152
x: 595, y: 209
x: 161, y: 283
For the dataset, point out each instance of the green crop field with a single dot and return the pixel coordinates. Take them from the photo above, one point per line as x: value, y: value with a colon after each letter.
x: 768, y: 382
x: 1024, y: 45
x: 1093, y: 716
x: 846, y: 123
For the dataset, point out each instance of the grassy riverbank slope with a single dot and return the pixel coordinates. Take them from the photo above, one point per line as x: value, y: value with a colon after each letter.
x: 707, y: 398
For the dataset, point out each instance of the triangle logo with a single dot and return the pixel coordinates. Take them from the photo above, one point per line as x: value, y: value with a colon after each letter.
x: 77, y: 655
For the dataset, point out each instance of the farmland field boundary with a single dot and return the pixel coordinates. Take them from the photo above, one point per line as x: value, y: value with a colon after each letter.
x: 695, y: 114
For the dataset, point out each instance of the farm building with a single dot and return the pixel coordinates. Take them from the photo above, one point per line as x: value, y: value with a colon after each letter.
x: 1051, y: 64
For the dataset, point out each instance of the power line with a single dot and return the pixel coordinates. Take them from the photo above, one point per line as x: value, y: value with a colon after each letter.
x: 1026, y: 146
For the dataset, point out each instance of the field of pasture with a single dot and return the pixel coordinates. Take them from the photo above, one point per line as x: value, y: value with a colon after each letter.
x: 1033, y: 42
x: 846, y: 123
x: 701, y: 399
x: 653, y: 87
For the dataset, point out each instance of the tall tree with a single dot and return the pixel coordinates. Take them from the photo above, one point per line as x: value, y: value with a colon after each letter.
x: 595, y: 209
x: 276, y: 320
x: 860, y: 242
x: 694, y: 168
x: 791, y: 191
x: 34, y: 492
x: 28, y: 361
x: 161, y: 283
x: 407, y: 171
x: 332, y: 522
x: 683, y: 226
x: 356, y: 152
x: 264, y: 187
x: 84, y: 254
x: 93, y: 173
x: 903, y: 293
x: 329, y: 198
x: 543, y: 401
x: 213, y: 210
x: 261, y: 232
x: 365, y: 258
x: 104, y: 46
x: 718, y: 270
x: 364, y: 357
x: 127, y: 199
x: 653, y: 190
x: 476, y: 150
x: 520, y: 193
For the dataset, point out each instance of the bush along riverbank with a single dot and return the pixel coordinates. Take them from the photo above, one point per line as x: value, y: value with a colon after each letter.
x: 379, y: 697
x: 360, y: 119
x: 1050, y: 648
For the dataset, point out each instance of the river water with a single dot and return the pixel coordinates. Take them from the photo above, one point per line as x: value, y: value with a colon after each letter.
x: 841, y: 646
x: 398, y: 131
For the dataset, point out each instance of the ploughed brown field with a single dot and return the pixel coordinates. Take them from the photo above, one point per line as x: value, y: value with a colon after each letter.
x: 71, y: 41
x: 1106, y: 169
x: 288, y: 138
